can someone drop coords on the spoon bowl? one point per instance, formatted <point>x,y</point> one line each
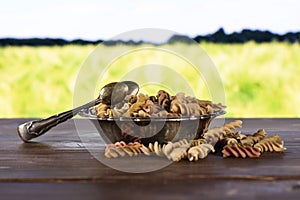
<point>111,93</point>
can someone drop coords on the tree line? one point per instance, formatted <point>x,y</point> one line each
<point>248,35</point>
<point>218,37</point>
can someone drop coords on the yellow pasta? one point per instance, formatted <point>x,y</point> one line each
<point>178,154</point>
<point>198,142</point>
<point>122,149</point>
<point>231,126</point>
<point>270,144</point>
<point>235,144</point>
<point>230,141</point>
<point>256,137</point>
<point>215,134</point>
<point>102,110</point>
<point>200,151</point>
<point>176,151</point>
<point>156,148</point>
<point>185,105</point>
<point>163,104</point>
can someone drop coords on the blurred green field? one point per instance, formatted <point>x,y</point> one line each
<point>260,80</point>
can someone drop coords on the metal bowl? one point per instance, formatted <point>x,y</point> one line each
<point>149,130</point>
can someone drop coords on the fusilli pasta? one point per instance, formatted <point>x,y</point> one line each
<point>252,139</point>
<point>240,151</point>
<point>270,144</point>
<point>122,149</point>
<point>200,151</point>
<point>235,144</point>
<point>215,134</point>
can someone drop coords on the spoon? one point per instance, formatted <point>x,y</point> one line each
<point>110,94</point>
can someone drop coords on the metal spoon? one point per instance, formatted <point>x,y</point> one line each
<point>110,94</point>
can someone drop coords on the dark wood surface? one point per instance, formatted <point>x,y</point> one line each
<point>57,165</point>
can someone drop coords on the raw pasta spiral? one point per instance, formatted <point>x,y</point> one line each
<point>215,134</point>
<point>271,144</point>
<point>173,151</point>
<point>231,126</point>
<point>200,151</point>
<point>156,148</point>
<point>252,139</point>
<point>235,144</point>
<point>198,142</point>
<point>176,151</point>
<point>240,151</point>
<point>102,110</point>
<point>122,149</point>
<point>186,105</point>
<point>246,145</point>
<point>163,104</point>
<point>163,99</point>
<point>230,141</point>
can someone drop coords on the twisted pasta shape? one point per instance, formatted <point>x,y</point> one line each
<point>256,137</point>
<point>117,112</point>
<point>271,144</point>
<point>200,151</point>
<point>173,151</point>
<point>215,134</point>
<point>240,151</point>
<point>102,110</point>
<point>230,141</point>
<point>115,151</point>
<point>231,126</point>
<point>198,142</point>
<point>163,104</point>
<point>176,151</point>
<point>163,99</point>
<point>235,144</point>
<point>156,148</point>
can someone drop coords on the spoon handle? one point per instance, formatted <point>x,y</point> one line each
<point>33,129</point>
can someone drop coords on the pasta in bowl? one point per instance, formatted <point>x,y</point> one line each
<point>146,119</point>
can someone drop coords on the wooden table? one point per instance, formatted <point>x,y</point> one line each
<point>58,165</point>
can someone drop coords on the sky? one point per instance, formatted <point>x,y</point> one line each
<point>105,19</point>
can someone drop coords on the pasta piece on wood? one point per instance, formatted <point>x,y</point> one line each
<point>122,149</point>
<point>231,126</point>
<point>215,134</point>
<point>178,153</point>
<point>256,137</point>
<point>230,141</point>
<point>240,151</point>
<point>198,142</point>
<point>271,144</point>
<point>200,151</point>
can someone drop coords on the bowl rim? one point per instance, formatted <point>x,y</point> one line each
<point>86,113</point>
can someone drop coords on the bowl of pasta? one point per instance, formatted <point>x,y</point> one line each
<point>147,119</point>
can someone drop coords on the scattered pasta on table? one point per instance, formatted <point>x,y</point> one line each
<point>232,143</point>
<point>227,139</point>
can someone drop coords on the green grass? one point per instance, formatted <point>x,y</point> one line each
<point>36,82</point>
<point>260,80</point>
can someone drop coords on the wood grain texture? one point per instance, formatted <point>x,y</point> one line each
<point>58,162</point>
